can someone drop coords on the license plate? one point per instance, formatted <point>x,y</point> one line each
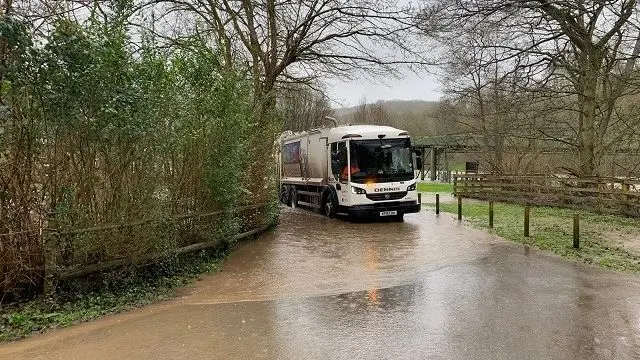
<point>388,213</point>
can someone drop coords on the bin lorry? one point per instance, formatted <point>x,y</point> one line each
<point>353,170</point>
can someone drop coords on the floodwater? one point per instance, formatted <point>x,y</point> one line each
<point>427,288</point>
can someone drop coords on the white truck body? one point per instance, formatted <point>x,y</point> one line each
<point>313,169</point>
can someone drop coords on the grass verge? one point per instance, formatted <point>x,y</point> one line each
<point>105,294</point>
<point>435,187</point>
<point>610,241</point>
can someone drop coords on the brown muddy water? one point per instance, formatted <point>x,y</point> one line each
<point>426,288</point>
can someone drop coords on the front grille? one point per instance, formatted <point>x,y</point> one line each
<point>387,196</point>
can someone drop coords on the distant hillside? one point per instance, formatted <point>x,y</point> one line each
<point>415,116</point>
<point>393,106</point>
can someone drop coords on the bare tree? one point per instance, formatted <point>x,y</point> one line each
<point>360,114</point>
<point>303,108</point>
<point>488,103</point>
<point>581,52</point>
<point>296,41</point>
<point>300,40</point>
<point>379,115</point>
<point>372,114</point>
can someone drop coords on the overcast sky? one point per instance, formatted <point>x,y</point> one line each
<point>411,87</point>
<point>346,93</point>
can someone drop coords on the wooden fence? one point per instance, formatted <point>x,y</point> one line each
<point>606,195</point>
<point>65,274</point>
<point>48,265</point>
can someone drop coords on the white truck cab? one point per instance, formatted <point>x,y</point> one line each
<point>357,171</point>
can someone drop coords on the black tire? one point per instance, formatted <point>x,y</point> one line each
<point>284,194</point>
<point>330,204</point>
<point>293,198</point>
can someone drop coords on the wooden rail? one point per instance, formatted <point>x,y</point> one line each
<point>146,221</point>
<point>52,272</point>
<point>65,274</point>
<point>145,259</point>
<point>607,195</point>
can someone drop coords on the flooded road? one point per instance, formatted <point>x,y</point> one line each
<point>327,289</point>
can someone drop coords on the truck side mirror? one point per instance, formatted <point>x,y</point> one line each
<point>419,163</point>
<point>417,152</point>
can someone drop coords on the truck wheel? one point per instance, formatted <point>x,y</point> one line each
<point>293,198</point>
<point>330,205</point>
<point>284,192</point>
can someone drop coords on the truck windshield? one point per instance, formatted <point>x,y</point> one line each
<point>383,160</point>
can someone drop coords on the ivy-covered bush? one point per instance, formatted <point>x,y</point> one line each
<point>99,128</point>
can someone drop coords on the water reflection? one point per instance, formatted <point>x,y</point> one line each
<point>491,308</point>
<point>372,295</point>
<point>327,289</point>
<point>423,288</point>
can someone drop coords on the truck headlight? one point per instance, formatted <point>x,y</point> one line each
<point>357,190</point>
<point>412,187</point>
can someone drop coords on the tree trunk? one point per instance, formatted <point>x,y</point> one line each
<point>262,146</point>
<point>587,132</point>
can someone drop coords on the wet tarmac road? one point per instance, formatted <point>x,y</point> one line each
<point>327,289</point>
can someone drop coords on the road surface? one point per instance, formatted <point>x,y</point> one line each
<point>428,288</point>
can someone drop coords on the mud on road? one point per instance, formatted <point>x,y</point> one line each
<point>428,287</point>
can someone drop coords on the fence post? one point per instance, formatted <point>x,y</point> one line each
<point>420,198</point>
<point>422,164</point>
<point>563,191</point>
<point>51,241</point>
<point>576,231</point>
<point>624,208</point>
<point>455,184</point>
<point>459,208</point>
<point>491,214</point>
<point>437,204</point>
<point>601,188</point>
<point>526,221</point>
<point>433,166</point>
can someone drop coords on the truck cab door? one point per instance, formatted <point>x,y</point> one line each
<point>338,161</point>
